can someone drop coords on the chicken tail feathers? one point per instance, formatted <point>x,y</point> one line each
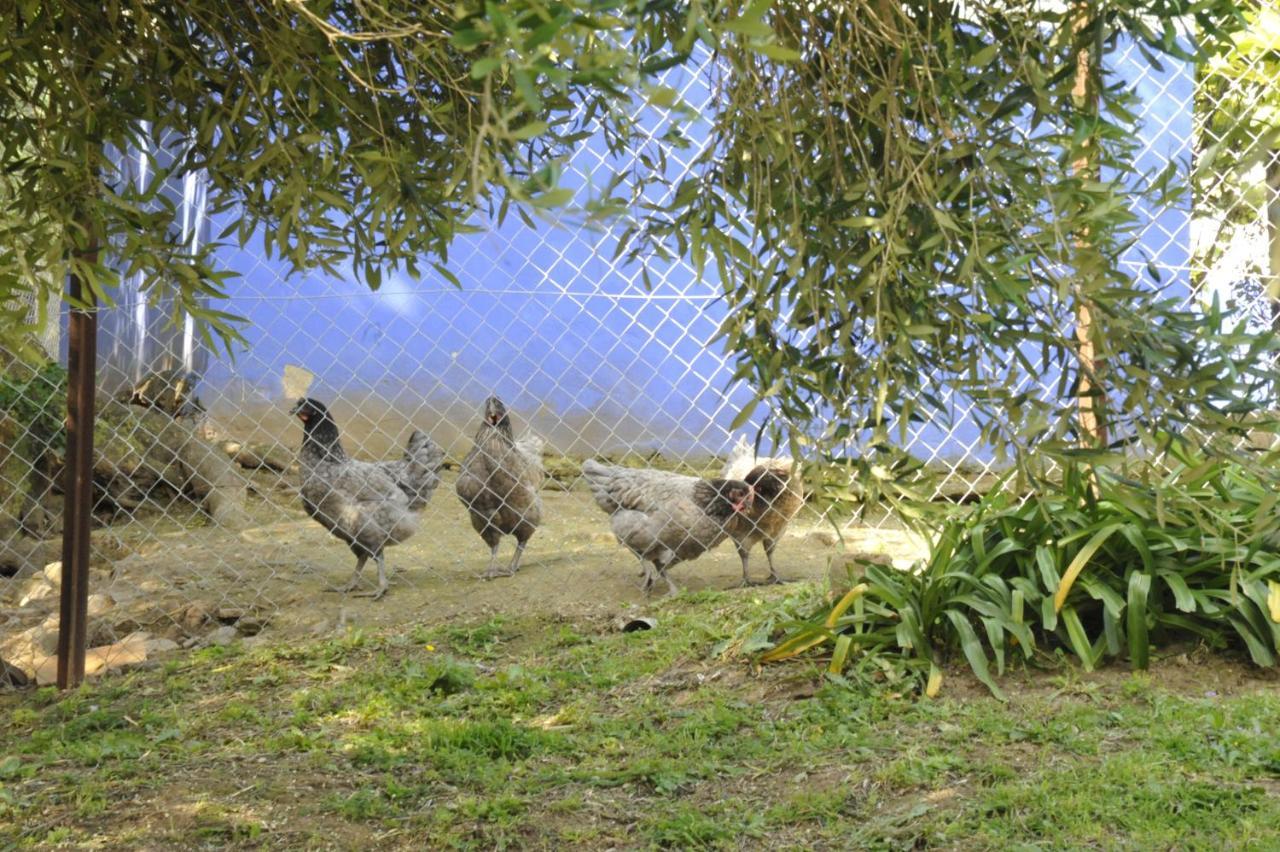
<point>531,446</point>
<point>420,474</point>
<point>600,479</point>
<point>423,453</point>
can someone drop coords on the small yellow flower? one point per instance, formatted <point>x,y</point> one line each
<point>431,647</point>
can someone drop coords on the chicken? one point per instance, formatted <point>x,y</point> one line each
<point>418,473</point>
<point>499,485</point>
<point>779,495</point>
<point>368,505</point>
<point>665,518</point>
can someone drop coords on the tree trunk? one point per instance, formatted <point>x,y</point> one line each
<point>1273,236</point>
<point>1090,398</point>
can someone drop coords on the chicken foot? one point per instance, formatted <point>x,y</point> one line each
<point>493,571</point>
<point>774,577</point>
<point>355,579</point>
<point>660,570</point>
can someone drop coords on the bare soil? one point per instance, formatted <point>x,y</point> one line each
<point>175,574</point>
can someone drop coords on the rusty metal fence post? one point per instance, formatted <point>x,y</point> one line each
<point>82,356</point>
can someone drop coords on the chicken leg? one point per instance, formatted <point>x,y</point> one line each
<point>355,577</point>
<point>661,569</point>
<point>382,580</point>
<point>744,554</point>
<point>515,560</point>
<point>646,575</point>
<point>774,577</point>
<point>493,572</point>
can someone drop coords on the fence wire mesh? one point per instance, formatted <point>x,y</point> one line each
<point>202,530</point>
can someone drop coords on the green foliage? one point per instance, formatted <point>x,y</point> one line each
<point>356,131</point>
<point>32,400</point>
<point>907,205</point>
<point>1239,129</point>
<point>1175,548</point>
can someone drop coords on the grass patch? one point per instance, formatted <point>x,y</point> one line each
<point>527,733</point>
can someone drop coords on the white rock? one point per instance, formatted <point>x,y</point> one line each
<point>38,589</point>
<point>26,647</point>
<point>101,631</point>
<point>53,572</point>
<point>99,604</point>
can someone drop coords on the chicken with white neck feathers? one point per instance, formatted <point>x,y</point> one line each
<point>665,518</point>
<point>499,484</point>
<point>368,505</point>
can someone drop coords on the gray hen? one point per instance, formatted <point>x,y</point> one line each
<point>499,485</point>
<point>368,505</point>
<point>665,518</point>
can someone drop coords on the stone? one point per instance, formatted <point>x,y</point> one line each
<point>25,647</point>
<point>224,635</point>
<point>53,573</point>
<point>100,632</point>
<point>193,618</point>
<point>160,645</point>
<point>117,655</point>
<point>37,589</point>
<point>99,604</point>
<point>44,639</point>
<point>251,625</point>
<point>825,538</point>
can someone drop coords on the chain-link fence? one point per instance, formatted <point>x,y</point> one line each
<point>201,532</point>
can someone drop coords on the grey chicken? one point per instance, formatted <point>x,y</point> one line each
<point>779,495</point>
<point>499,484</point>
<point>368,505</point>
<point>665,518</point>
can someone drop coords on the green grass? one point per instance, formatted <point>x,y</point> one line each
<point>516,733</point>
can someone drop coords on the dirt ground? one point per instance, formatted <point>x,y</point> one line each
<point>573,565</point>
<point>176,576</point>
